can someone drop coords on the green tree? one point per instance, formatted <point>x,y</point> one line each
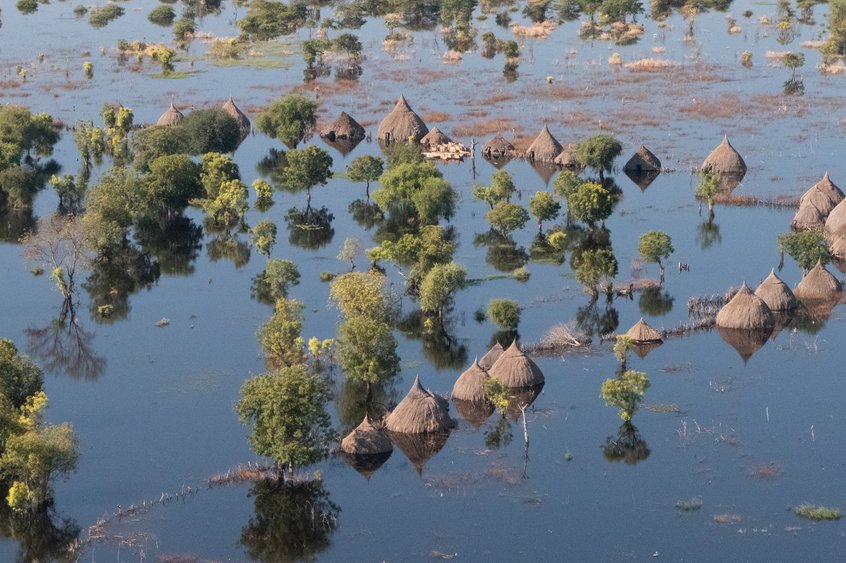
<point>836,44</point>
<point>505,313</point>
<point>307,168</point>
<point>709,187</point>
<point>625,392</point>
<point>280,337</point>
<point>173,181</point>
<point>590,203</point>
<point>598,152</point>
<point>367,349</point>
<point>149,143</point>
<point>111,208</point>
<point>793,61</point>
<point>438,286</point>
<point>264,194</point>
<point>349,251</point>
<point>507,217</point>
<point>25,133</point>
<point>653,246</point>
<point>277,278</point>
<point>365,294</point>
<point>501,189</point>
<point>215,170</point>
<point>230,204</point>
<point>417,188</point>
<point>266,19</point>
<point>367,169</point>
<point>263,236</point>
<point>162,15</point>
<point>20,378</point>
<point>593,266</point>
<point>622,344</point>
<point>288,119</point>
<point>210,130</point>
<point>544,208</point>
<point>287,411</point>
<point>805,247</point>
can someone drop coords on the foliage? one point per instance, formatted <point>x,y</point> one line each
<point>264,194</point>
<point>289,119</point>
<point>210,130</point>
<point>162,15</point>
<point>653,246</point>
<point>621,348</point>
<point>689,505</point>
<point>590,203</point>
<point>438,285</point>
<point>19,377</point>
<point>230,204</point>
<point>172,182</point>
<point>101,16</point>
<point>306,168</point>
<point>366,168</point>
<point>504,313</point>
<point>215,170</point>
<point>593,266</point>
<point>507,217</point>
<point>146,145</point>
<point>598,152</point>
<point>817,512</point>
<point>496,394</point>
<point>267,19</point>
<point>367,349</point>
<point>836,44</point>
<point>263,236</point>
<point>544,208</point>
<point>287,410</point>
<point>280,337</point>
<point>625,392</point>
<point>277,277</point>
<point>500,190</point>
<point>183,29</point>
<point>403,153</point>
<point>806,247</point>
<point>349,251</point>
<point>118,120</point>
<point>24,132</point>
<point>709,186</point>
<point>365,294</point>
<point>416,187</point>
<point>111,207</point>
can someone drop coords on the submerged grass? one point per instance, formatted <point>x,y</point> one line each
<point>817,512</point>
<point>689,505</point>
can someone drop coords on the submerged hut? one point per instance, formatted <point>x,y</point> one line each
<point>776,294</point>
<point>819,285</point>
<point>489,359</point>
<point>724,160</point>
<point>171,117</point>
<point>809,216</point>
<point>238,115</point>
<point>420,411</point>
<point>470,385</point>
<point>544,148</point>
<point>642,333</point>
<point>824,195</point>
<point>366,448</point>
<point>567,158</point>
<point>402,124</point>
<point>835,223</point>
<point>497,148</point>
<point>344,128</point>
<point>643,161</point>
<point>434,138</point>
<point>746,311</point>
<point>514,369</point>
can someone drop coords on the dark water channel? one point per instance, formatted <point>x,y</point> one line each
<point>153,406</point>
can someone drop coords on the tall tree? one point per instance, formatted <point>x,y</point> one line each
<point>289,119</point>
<point>654,246</point>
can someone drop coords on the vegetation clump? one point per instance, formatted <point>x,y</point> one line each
<point>689,505</point>
<point>102,16</point>
<point>504,313</point>
<point>817,512</point>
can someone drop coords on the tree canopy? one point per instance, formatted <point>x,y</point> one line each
<point>590,203</point>
<point>598,152</point>
<point>288,119</point>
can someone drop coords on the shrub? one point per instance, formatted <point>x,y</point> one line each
<point>504,313</point>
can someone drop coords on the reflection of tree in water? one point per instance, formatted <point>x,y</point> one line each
<point>272,167</point>
<point>41,534</point>
<point>655,302</point>
<point>504,338</point>
<point>503,253</point>
<point>292,522</point>
<point>14,223</point>
<point>509,71</point>
<point>708,233</point>
<point>542,252</point>
<point>63,346</point>
<point>593,321</point>
<point>115,277</point>
<point>499,435</point>
<point>365,213</point>
<point>310,228</point>
<point>443,350</point>
<point>174,242</point>
<point>227,246</point>
<point>627,446</point>
<point>354,399</point>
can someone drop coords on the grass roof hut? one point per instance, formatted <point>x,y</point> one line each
<point>745,341</point>
<point>824,195</point>
<point>643,161</point>
<point>497,148</point>
<point>470,385</point>
<point>567,158</point>
<point>171,117</point>
<point>776,294</point>
<point>724,160</point>
<point>838,248</point>
<point>344,128</point>
<point>514,369</point>
<point>746,311</point>
<point>489,359</point>
<point>835,222</point>
<point>642,333</point>
<point>233,110</point>
<point>402,124</point>
<point>809,216</point>
<point>420,448</point>
<point>420,411</point>
<point>544,148</point>
<point>819,285</point>
<point>366,448</point>
<point>434,138</point>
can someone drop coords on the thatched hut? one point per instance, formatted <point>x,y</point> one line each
<point>745,341</point>
<point>544,148</point>
<point>642,333</point>
<point>402,124</point>
<point>824,195</point>
<point>514,369</point>
<point>366,439</point>
<point>420,448</point>
<point>497,148</point>
<point>343,128</point>
<point>434,138</point>
<point>835,223</point>
<point>567,158</point>
<point>724,160</point>
<point>470,385</point>
<point>838,247</point>
<point>643,161</point>
<point>171,117</point>
<point>809,216</point>
<point>489,359</point>
<point>238,115</point>
<point>745,311</point>
<point>818,285</point>
<point>776,294</point>
<point>420,411</point>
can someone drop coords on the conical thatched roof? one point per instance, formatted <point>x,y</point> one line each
<point>818,285</point>
<point>567,157</point>
<point>745,341</point>
<point>434,138</point>
<point>345,127</point>
<point>497,147</point>
<point>642,179</point>
<point>171,117</point>
<point>238,115</point>
<point>824,195</point>
<point>643,161</point>
<point>366,439</point>
<point>420,411</point>
<point>776,294</point>
<point>489,359</point>
<point>838,246</point>
<point>514,369</point>
<point>642,332</point>
<point>470,385</point>
<point>808,217</point>
<point>401,124</point>
<point>474,413</point>
<point>745,311</point>
<point>835,223</point>
<point>420,448</point>
<point>724,160</point>
<point>544,148</point>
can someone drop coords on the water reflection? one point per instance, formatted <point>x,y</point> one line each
<point>292,522</point>
<point>542,252</point>
<point>114,278</point>
<point>593,320</point>
<point>503,253</point>
<point>354,400</point>
<point>64,346</point>
<point>642,178</point>
<point>499,435</point>
<point>15,222</point>
<point>227,246</point>
<point>627,446</point>
<point>310,228</point>
<point>175,242</point>
<point>41,535</point>
<point>420,448</point>
<point>367,214</point>
<point>745,341</point>
<point>655,302</point>
<point>442,349</point>
<point>708,233</point>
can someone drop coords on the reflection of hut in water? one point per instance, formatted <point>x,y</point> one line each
<point>644,348</point>
<point>344,128</point>
<point>420,448</point>
<point>470,385</point>
<point>642,179</point>
<point>343,146</point>
<point>545,170</point>
<point>824,195</point>
<point>567,158</point>
<point>171,117</point>
<point>474,412</point>
<point>544,148</point>
<point>237,115</point>
<point>366,448</point>
<point>643,161</point>
<point>776,294</point>
<point>745,341</point>
<point>514,369</point>
<point>724,160</point>
<point>835,223</point>
<point>523,397</point>
<point>642,333</point>
<point>808,216</point>
<point>402,124</point>
<point>818,285</point>
<point>745,311</point>
<point>420,411</point>
<point>489,359</point>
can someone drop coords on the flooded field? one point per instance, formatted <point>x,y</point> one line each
<point>728,440</point>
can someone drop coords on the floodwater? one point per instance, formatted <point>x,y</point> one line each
<point>153,405</point>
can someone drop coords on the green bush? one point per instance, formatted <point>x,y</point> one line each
<point>504,313</point>
<point>163,15</point>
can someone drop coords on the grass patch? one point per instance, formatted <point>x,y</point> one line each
<point>689,505</point>
<point>176,74</point>
<point>770,470</point>
<point>270,55</point>
<point>817,512</point>
<point>664,408</point>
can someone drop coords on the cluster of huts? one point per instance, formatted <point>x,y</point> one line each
<point>174,117</point>
<point>420,423</point>
<point>822,207</point>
